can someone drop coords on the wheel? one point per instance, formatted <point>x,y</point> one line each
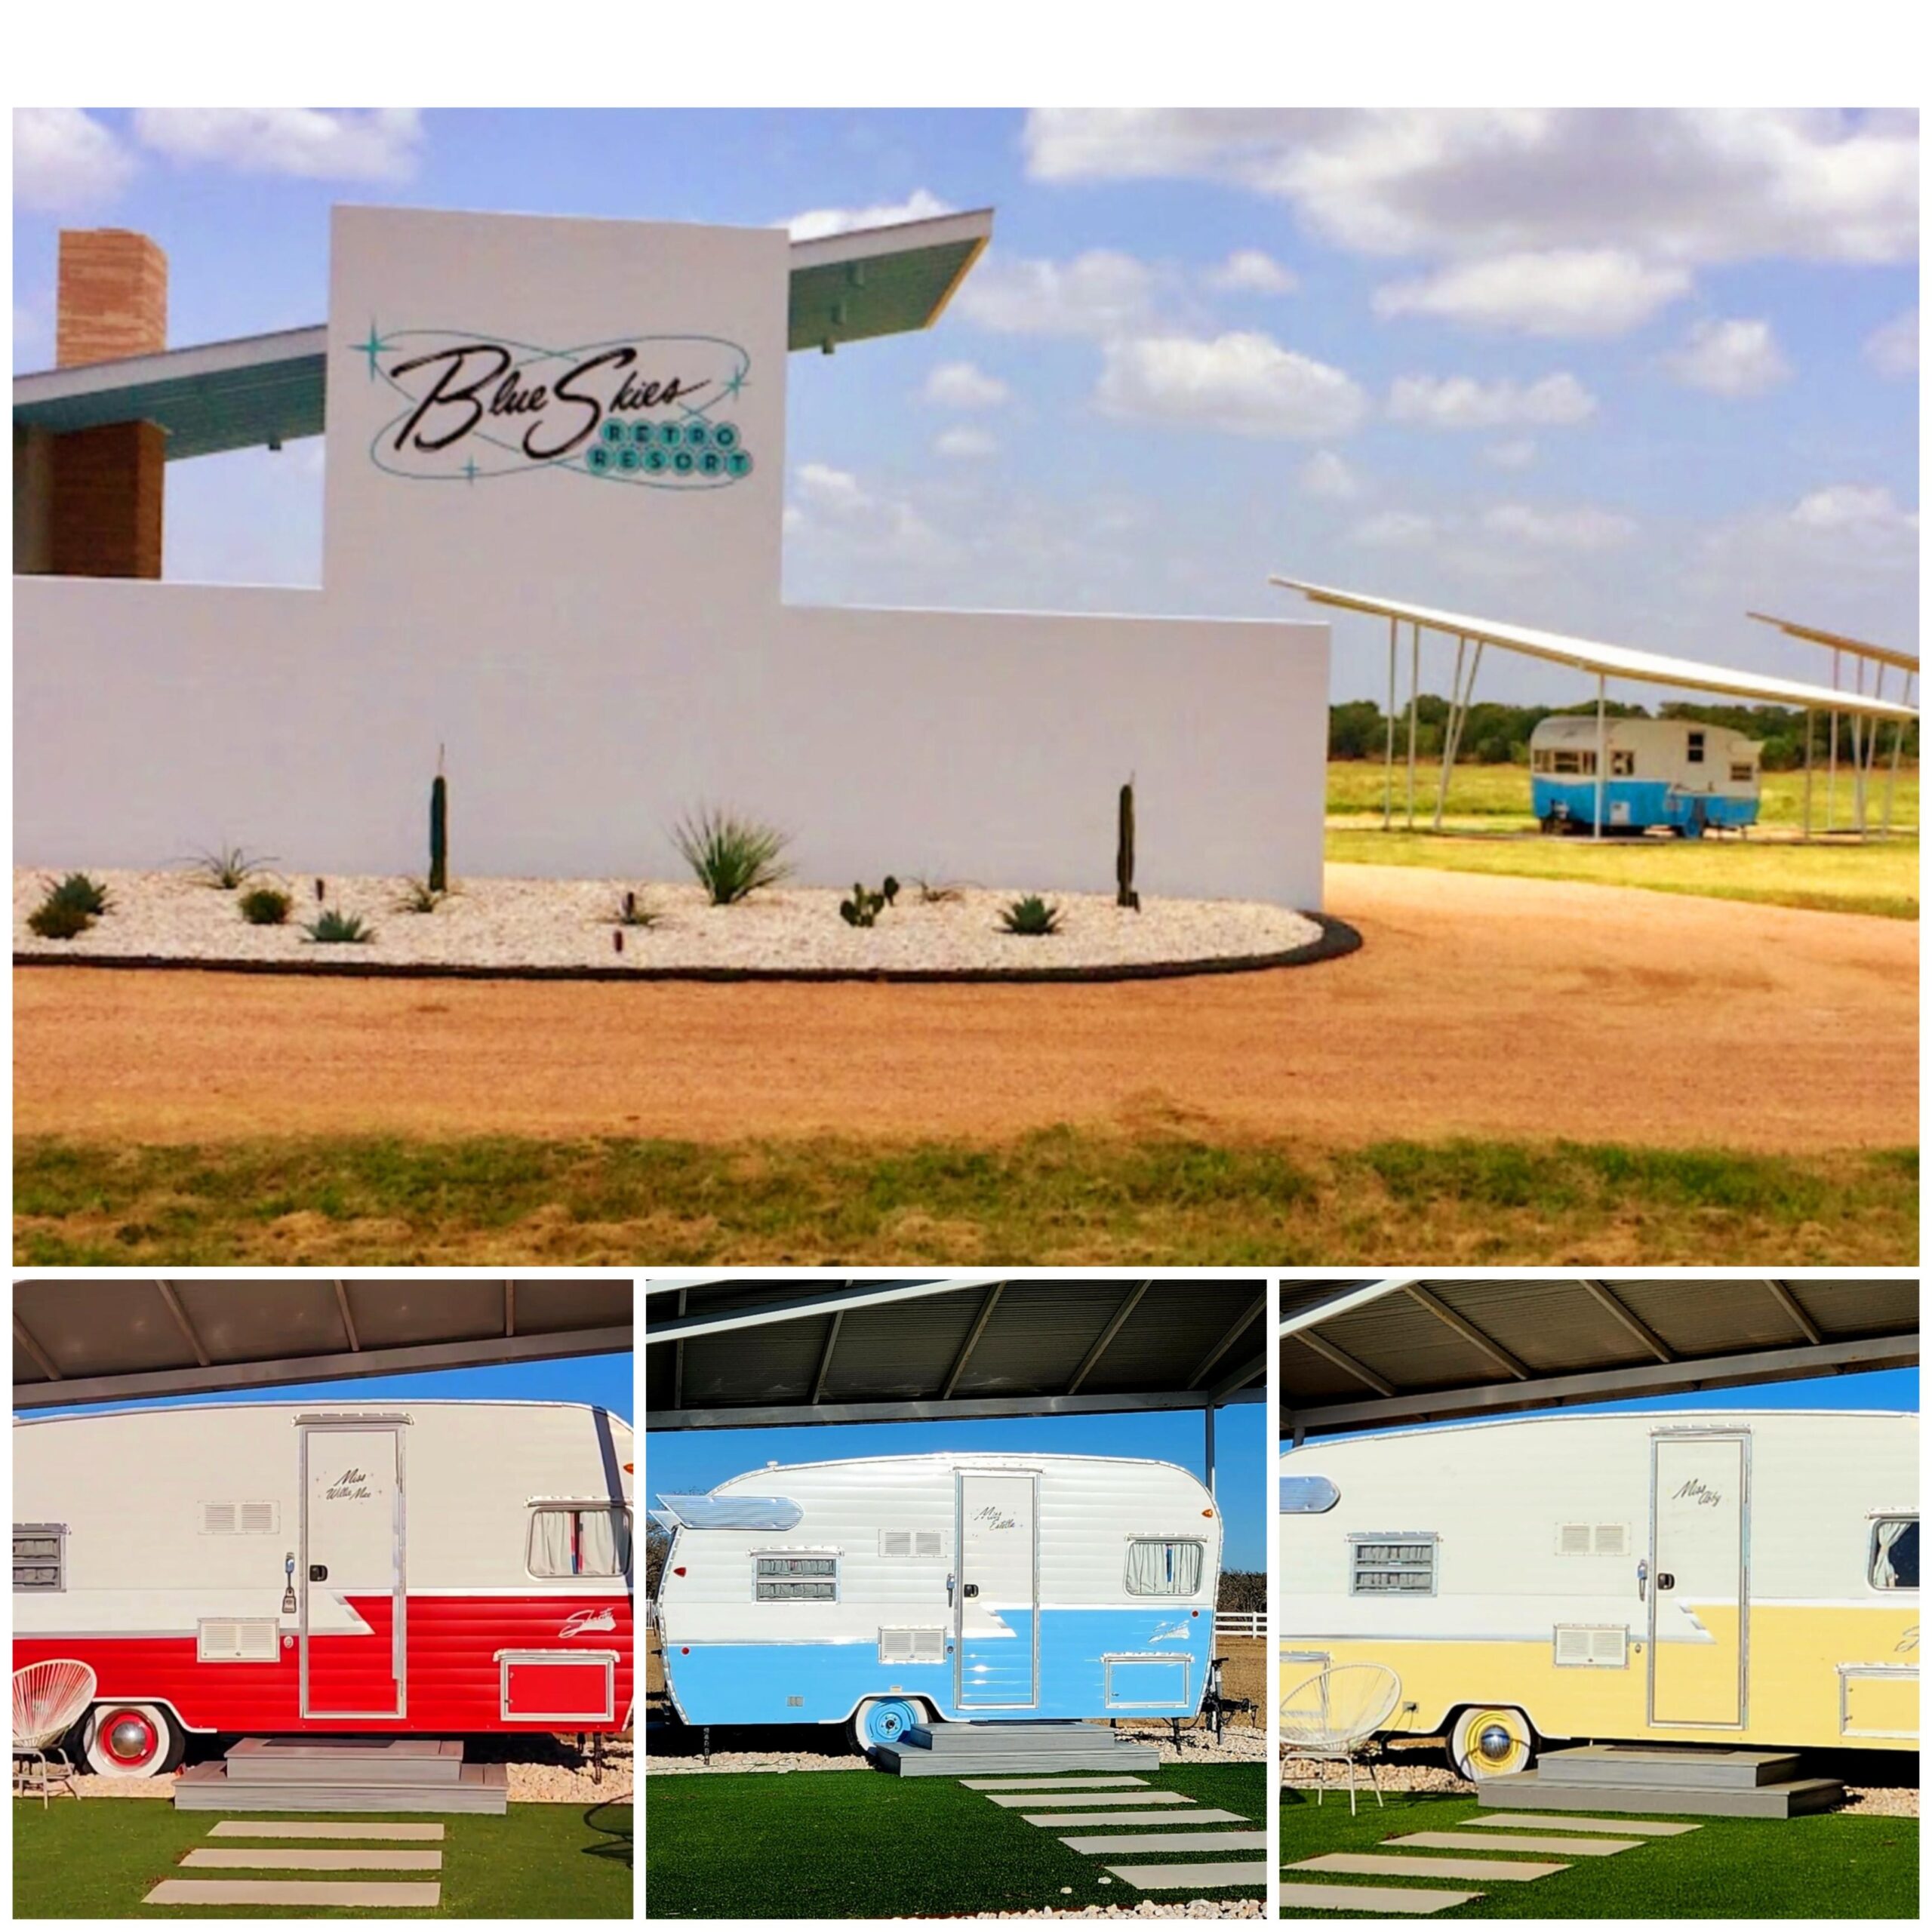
<point>883,1721</point>
<point>131,1741</point>
<point>1490,1741</point>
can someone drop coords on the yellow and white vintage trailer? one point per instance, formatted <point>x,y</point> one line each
<point>1741,1577</point>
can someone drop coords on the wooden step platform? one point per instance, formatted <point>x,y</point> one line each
<point>978,1750</point>
<point>1670,1797</point>
<point>344,1774</point>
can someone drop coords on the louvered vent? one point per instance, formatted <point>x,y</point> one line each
<point>928,1542</point>
<point>1613,1539</point>
<point>1599,1647</point>
<point>912,1647</point>
<point>248,1639</point>
<point>1573,1539</point>
<point>895,1542</point>
<point>1593,1539</point>
<point>217,1519</point>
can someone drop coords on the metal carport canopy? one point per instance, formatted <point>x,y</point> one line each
<point>1412,1348</point>
<point>733,1354</point>
<point>121,1339</point>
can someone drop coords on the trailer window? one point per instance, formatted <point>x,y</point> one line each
<point>1573,764</point>
<point>1392,1566</point>
<point>1694,748</point>
<point>1623,765</point>
<point>1894,1564</point>
<point>40,1556</point>
<point>579,1543</point>
<point>1163,1569</point>
<point>1743,773</point>
<point>798,1580</point>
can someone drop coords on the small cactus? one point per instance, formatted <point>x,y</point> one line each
<point>1126,895</point>
<point>439,833</point>
<point>864,906</point>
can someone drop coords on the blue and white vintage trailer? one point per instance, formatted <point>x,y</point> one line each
<point>1664,773</point>
<point>887,1592</point>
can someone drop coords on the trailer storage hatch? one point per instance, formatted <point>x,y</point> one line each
<point>560,1687</point>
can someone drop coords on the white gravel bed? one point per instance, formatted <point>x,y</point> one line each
<point>1149,1909</point>
<point>1240,1744</point>
<point>511,923</point>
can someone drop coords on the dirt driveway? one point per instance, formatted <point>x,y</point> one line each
<point>1485,1006</point>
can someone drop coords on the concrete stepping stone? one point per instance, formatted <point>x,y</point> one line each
<point>1369,1865</point>
<point>310,1858</point>
<point>264,1891</point>
<point>1300,1895</point>
<point>1576,1847</point>
<point>1172,1877</point>
<point>1045,1784</point>
<point>1063,1820</point>
<point>1015,1798</point>
<point>1253,1841</point>
<point>1561,1821</point>
<point>307,1828</point>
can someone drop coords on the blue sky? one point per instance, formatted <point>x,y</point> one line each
<point>1627,373</point>
<point>1889,1388</point>
<point>688,1461</point>
<point>605,1381</point>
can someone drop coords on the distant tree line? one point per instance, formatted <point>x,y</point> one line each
<point>1242,1589</point>
<point>1499,733</point>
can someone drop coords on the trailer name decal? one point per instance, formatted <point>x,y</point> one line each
<point>995,1518</point>
<point>635,410</point>
<point>1696,1492</point>
<point>352,1486</point>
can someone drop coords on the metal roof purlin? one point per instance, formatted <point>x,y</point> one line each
<point>1904,660</point>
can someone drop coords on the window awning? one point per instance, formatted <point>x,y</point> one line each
<point>728,1512</point>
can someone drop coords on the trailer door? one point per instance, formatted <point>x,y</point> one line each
<point>1699,1579</point>
<point>350,1572</point>
<point>997,1604</point>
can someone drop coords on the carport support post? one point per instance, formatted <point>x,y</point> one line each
<point>1858,756</point>
<point>1388,757</point>
<point>1207,1416</point>
<point>1449,731</point>
<point>1831,766</point>
<point>1415,691</point>
<point>1603,758</point>
<point>1810,718</point>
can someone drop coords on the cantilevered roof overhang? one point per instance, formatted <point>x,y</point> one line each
<point>747,1355</point>
<point>124,1340</point>
<point>1606,660</point>
<point>266,390</point>
<point>1882,654</point>
<point>1408,1349</point>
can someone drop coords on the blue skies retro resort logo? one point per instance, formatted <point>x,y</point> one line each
<point>653,411</point>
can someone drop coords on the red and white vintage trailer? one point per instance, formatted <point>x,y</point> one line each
<point>400,1568</point>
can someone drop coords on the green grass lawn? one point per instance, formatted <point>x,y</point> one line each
<point>824,1844</point>
<point>1062,1195</point>
<point>1831,1866</point>
<point>99,1858</point>
<point>1487,828</point>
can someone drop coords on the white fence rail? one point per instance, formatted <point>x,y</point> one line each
<point>1241,1623</point>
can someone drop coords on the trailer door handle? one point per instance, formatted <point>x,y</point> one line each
<point>970,1590</point>
<point>1643,1577</point>
<point>1665,1581</point>
<point>318,1572</point>
<point>949,1582</point>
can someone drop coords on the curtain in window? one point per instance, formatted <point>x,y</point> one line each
<point>1163,1569</point>
<point>551,1543</point>
<point>1895,1560</point>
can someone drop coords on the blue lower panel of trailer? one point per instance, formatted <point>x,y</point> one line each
<point>1092,1663</point>
<point>1636,804</point>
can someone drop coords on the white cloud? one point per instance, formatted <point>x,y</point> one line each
<point>1250,271</point>
<point>1552,292</point>
<point>823,487</point>
<point>1515,452</point>
<point>66,162</point>
<point>1396,530</point>
<point>1583,528</point>
<point>1854,507</point>
<point>1892,350</point>
<point>1849,549</point>
<point>316,144</point>
<point>1324,474</point>
<point>1686,185</point>
<point>965,441</point>
<point>1102,292</point>
<point>920,205</point>
<point>1244,384</point>
<point>964,385</point>
<point>833,503</point>
<point>1461,402</point>
<point>1733,358</point>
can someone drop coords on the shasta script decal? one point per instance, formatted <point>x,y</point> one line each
<point>654,410</point>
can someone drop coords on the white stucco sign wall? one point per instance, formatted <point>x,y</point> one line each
<point>555,466</point>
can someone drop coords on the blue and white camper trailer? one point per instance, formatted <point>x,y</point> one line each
<point>885,1592</point>
<point>1663,772</point>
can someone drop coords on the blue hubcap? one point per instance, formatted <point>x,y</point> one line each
<point>888,1723</point>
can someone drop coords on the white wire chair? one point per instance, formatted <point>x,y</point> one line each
<point>49,1698</point>
<point>1333,1717</point>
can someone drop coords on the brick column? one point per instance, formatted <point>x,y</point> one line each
<point>105,514</point>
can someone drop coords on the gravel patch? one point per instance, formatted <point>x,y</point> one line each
<point>1147,1908</point>
<point>1240,1744</point>
<point>509,924</point>
<point>1882,1801</point>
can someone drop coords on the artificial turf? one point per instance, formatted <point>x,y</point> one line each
<point>860,1844</point>
<point>1834,1866</point>
<point>99,1858</point>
